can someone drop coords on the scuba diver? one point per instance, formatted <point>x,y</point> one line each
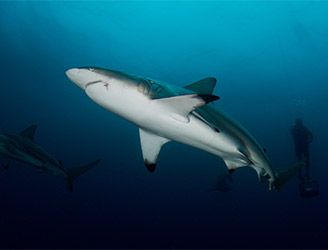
<point>302,138</point>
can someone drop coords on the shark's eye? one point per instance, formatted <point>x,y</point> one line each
<point>144,87</point>
<point>141,88</point>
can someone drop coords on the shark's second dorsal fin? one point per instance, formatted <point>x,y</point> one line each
<point>29,132</point>
<point>205,86</point>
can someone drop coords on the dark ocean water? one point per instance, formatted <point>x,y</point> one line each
<point>270,59</point>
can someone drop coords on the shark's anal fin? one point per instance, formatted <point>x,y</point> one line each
<point>204,86</point>
<point>151,145</point>
<point>180,106</point>
<point>29,132</point>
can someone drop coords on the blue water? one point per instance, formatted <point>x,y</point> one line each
<point>270,59</point>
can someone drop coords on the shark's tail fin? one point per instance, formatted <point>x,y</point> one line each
<point>72,173</point>
<point>284,176</point>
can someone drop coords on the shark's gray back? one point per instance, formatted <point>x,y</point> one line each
<point>34,150</point>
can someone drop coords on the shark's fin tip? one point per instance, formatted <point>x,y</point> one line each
<point>151,167</point>
<point>209,98</point>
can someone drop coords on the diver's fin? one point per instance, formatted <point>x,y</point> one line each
<point>284,176</point>
<point>205,86</point>
<point>6,164</point>
<point>29,132</point>
<point>180,106</point>
<point>151,145</point>
<point>72,173</point>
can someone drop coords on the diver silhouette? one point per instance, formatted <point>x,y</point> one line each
<point>302,138</point>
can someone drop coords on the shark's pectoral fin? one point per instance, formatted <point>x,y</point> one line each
<point>151,145</point>
<point>29,132</point>
<point>180,106</point>
<point>205,86</point>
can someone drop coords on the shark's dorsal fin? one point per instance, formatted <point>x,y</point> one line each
<point>205,86</point>
<point>180,106</point>
<point>151,145</point>
<point>29,132</point>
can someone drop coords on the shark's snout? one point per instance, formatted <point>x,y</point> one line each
<point>74,75</point>
<point>72,72</point>
<point>80,76</point>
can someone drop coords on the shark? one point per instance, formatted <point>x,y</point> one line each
<point>21,147</point>
<point>164,112</point>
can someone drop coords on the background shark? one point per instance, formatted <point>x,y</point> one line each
<point>164,112</point>
<point>21,147</point>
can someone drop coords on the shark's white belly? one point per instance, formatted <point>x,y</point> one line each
<point>194,133</point>
<point>153,118</point>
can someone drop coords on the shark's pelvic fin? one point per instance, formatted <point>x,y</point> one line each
<point>232,165</point>
<point>29,132</point>
<point>205,86</point>
<point>180,106</point>
<point>151,145</point>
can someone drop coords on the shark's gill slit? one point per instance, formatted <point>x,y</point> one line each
<point>92,83</point>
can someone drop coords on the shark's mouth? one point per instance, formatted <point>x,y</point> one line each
<point>92,83</point>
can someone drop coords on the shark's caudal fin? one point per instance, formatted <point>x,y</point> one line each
<point>284,176</point>
<point>72,173</point>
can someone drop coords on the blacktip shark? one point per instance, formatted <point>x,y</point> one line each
<point>21,147</point>
<point>165,112</point>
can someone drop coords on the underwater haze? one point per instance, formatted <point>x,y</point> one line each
<point>270,59</point>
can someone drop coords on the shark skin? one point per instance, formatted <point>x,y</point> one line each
<point>165,112</point>
<point>21,147</point>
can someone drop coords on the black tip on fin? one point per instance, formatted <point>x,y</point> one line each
<point>150,166</point>
<point>209,98</point>
<point>231,171</point>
